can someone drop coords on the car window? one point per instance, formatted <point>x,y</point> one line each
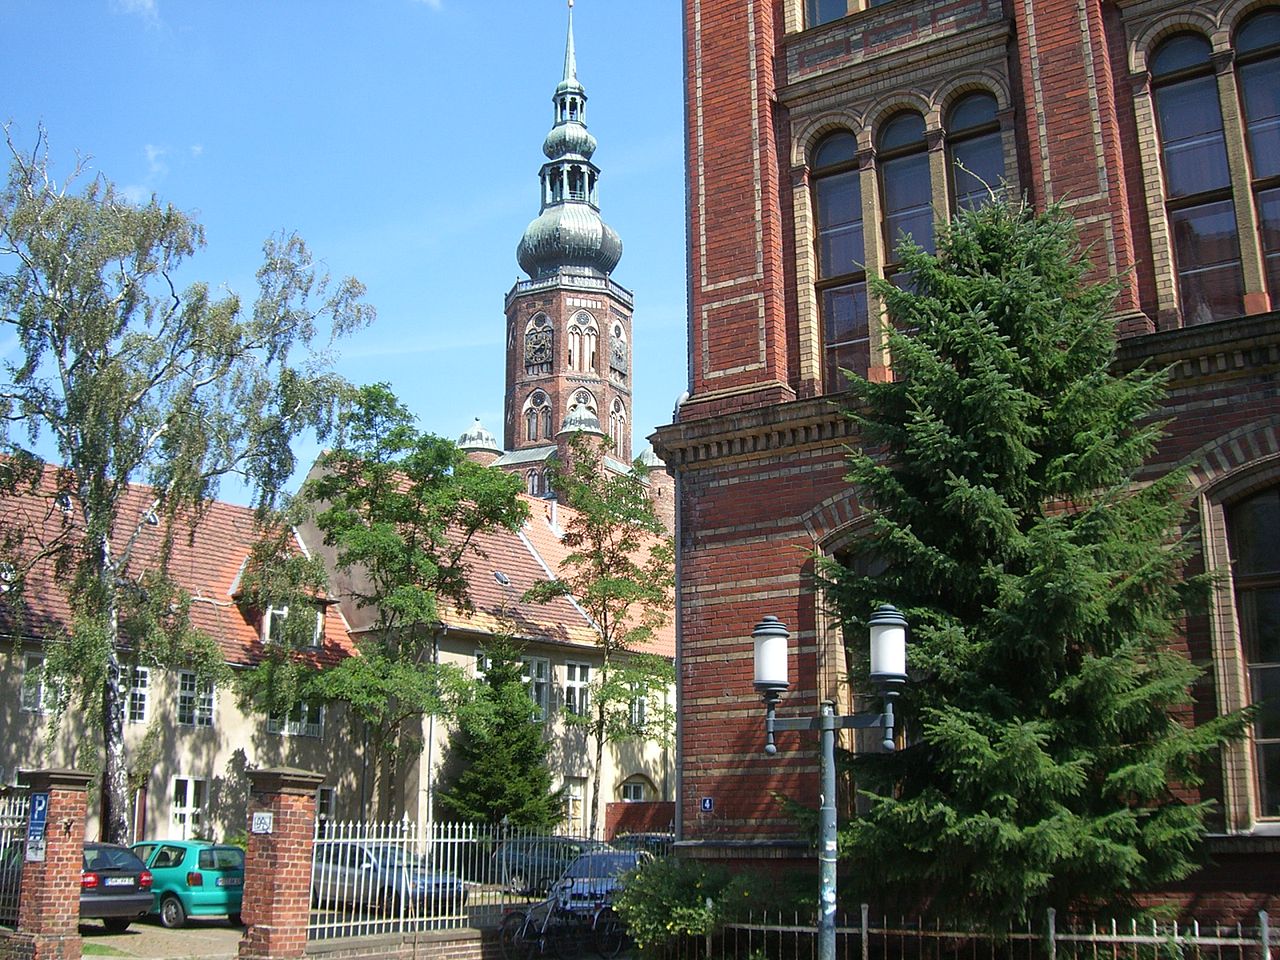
<point>110,858</point>
<point>168,856</point>
<point>222,858</point>
<point>144,850</point>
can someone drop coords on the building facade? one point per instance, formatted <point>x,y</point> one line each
<point>818,132</point>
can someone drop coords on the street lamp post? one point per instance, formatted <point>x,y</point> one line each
<point>888,673</point>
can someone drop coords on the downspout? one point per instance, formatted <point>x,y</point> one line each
<point>425,829</point>
<point>679,625</point>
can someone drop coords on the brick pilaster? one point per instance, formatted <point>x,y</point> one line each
<point>49,907</point>
<point>277,875</point>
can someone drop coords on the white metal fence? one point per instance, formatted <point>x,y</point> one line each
<point>777,937</point>
<point>13,836</point>
<point>389,877</point>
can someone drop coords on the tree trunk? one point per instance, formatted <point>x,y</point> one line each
<point>114,826</point>
<point>595,772</point>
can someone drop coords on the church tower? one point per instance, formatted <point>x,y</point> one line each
<point>569,325</point>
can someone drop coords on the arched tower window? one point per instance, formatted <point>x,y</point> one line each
<point>582,335</point>
<point>975,150</point>
<point>537,413</point>
<point>1200,209</point>
<point>842,278</point>
<point>618,429</point>
<point>903,158</point>
<point>533,483</point>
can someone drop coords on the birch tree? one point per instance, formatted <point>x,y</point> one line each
<point>121,377</point>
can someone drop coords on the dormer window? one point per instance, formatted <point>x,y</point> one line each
<point>273,625</point>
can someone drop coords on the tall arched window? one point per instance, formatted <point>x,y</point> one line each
<point>573,336</point>
<point>903,158</point>
<point>975,150</point>
<point>582,336</point>
<point>1254,535</point>
<point>1201,212</point>
<point>537,412</point>
<point>1258,55</point>
<point>533,483</point>
<point>842,277</point>
<point>618,428</point>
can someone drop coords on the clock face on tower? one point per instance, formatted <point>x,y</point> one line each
<point>538,345</point>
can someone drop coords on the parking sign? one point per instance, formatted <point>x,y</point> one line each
<point>37,820</point>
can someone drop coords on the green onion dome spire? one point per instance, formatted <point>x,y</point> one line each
<point>568,231</point>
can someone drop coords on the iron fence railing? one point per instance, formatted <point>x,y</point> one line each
<point>390,877</point>
<point>794,937</point>
<point>13,836</point>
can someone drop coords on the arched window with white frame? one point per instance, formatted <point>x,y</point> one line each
<point>618,429</point>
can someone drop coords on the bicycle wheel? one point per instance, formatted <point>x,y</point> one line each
<point>611,935</point>
<point>571,936</point>
<point>512,937</point>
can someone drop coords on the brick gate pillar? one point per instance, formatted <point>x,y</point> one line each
<point>49,905</point>
<point>277,872</point>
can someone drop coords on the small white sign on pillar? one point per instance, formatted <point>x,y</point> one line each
<point>263,822</point>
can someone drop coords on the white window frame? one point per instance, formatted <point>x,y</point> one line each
<point>139,694</point>
<point>632,791</point>
<point>306,719</point>
<point>537,676</point>
<point>188,810</point>
<point>575,803</point>
<point>196,700</point>
<point>37,696</point>
<point>577,687</point>
<point>638,708</point>
<point>282,613</point>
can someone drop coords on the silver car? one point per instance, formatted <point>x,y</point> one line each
<point>382,877</point>
<point>594,879</point>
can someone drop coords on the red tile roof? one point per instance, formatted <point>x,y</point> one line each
<point>206,561</point>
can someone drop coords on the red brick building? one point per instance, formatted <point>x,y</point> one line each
<point>817,132</point>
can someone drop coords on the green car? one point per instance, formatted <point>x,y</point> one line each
<point>193,878</point>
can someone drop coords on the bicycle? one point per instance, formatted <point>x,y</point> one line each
<point>551,928</point>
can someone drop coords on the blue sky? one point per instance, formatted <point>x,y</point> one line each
<point>400,138</point>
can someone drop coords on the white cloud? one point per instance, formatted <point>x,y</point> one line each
<point>197,149</point>
<point>149,10</point>
<point>433,4</point>
<point>156,167</point>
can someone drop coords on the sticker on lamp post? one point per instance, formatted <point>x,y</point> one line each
<point>708,804</point>
<point>37,821</point>
<point>263,821</point>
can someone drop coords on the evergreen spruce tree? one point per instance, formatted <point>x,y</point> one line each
<point>1044,586</point>
<point>501,755</point>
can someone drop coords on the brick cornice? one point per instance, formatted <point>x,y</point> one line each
<point>1211,351</point>
<point>285,780</point>
<point>762,431</point>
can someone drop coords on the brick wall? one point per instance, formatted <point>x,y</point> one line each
<point>49,909</point>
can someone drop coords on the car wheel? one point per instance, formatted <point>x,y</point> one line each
<point>172,914</point>
<point>235,919</point>
<point>116,924</point>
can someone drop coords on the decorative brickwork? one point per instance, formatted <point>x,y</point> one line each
<point>760,472</point>
<point>49,909</point>
<point>277,874</point>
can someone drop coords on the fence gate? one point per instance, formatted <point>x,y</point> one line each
<point>13,837</point>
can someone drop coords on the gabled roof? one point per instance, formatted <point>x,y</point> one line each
<point>207,559</point>
<point>535,552</point>
<point>503,564</point>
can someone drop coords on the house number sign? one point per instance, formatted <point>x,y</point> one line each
<point>264,821</point>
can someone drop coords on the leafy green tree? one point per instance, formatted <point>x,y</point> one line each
<point>401,509</point>
<point>500,753</point>
<point>119,377</point>
<point>620,570</point>
<point>1047,730</point>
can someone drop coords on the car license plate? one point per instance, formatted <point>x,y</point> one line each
<point>230,881</point>
<point>119,881</point>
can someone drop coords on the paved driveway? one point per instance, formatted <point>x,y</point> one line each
<point>198,940</point>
